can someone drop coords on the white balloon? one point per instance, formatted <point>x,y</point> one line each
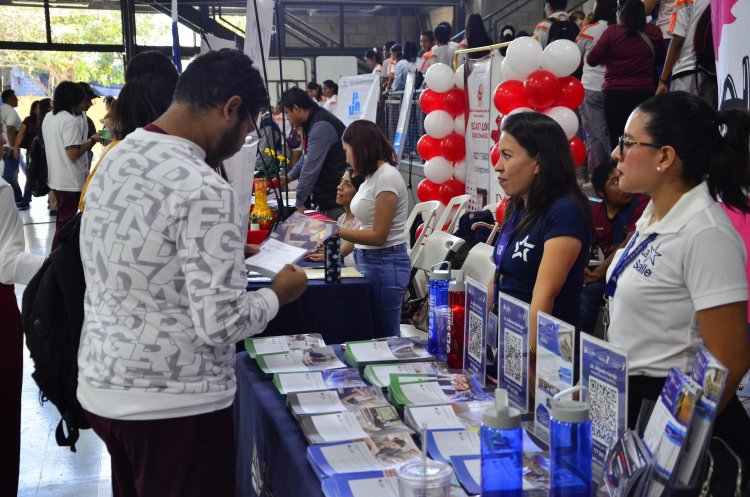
<point>438,170</point>
<point>458,78</point>
<point>459,125</point>
<point>566,118</point>
<point>524,55</point>
<point>561,58</point>
<point>438,123</point>
<point>459,172</point>
<point>508,72</point>
<point>439,77</point>
<point>517,110</point>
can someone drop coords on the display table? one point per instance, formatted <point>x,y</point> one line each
<point>271,450</point>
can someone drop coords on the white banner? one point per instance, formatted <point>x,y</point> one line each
<point>478,74</point>
<point>731,27</point>
<point>403,115</point>
<point>240,170</point>
<point>252,38</point>
<point>496,191</point>
<point>358,98</point>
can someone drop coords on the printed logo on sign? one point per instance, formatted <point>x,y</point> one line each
<point>355,107</point>
<point>647,260</point>
<point>480,92</point>
<point>522,249</point>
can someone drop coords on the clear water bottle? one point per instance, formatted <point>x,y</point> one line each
<point>439,312</point>
<point>501,440</point>
<point>457,303</point>
<point>570,446</point>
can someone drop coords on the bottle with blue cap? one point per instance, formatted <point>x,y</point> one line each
<point>501,438</point>
<point>439,311</point>
<point>570,446</point>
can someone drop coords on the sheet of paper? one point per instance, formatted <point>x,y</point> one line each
<point>457,443</point>
<point>372,351</point>
<point>338,427</point>
<point>375,487</point>
<point>436,417</point>
<point>320,402</point>
<point>424,393</point>
<point>273,256</point>
<point>299,382</point>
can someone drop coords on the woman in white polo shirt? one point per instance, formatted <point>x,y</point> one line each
<point>681,280</point>
<point>381,205</point>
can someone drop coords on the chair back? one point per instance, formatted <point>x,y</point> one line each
<point>449,218</point>
<point>479,264</point>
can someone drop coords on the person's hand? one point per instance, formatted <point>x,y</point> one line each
<point>283,180</point>
<point>96,138</point>
<point>15,154</point>
<point>662,88</point>
<point>251,249</point>
<point>314,257</point>
<point>289,284</point>
<point>591,276</point>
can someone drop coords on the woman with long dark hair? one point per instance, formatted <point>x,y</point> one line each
<point>630,50</point>
<point>374,60</point>
<point>331,94</point>
<point>544,245</point>
<point>681,280</point>
<point>407,63</point>
<point>476,36</point>
<point>381,206</point>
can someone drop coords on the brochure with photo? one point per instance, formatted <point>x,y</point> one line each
<point>277,345</point>
<point>380,374</point>
<point>411,391</point>
<point>317,380</point>
<point>457,415</point>
<point>555,352</point>
<point>294,361</point>
<point>389,349</point>
<point>351,425</point>
<point>626,464</point>
<point>339,400</point>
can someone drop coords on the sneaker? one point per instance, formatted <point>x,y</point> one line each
<point>23,207</point>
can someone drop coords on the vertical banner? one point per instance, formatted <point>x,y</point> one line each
<point>478,74</point>
<point>731,30</point>
<point>358,98</point>
<point>475,325</point>
<point>176,39</point>
<point>240,170</point>
<point>403,115</point>
<point>496,191</point>
<point>254,39</point>
<point>513,350</point>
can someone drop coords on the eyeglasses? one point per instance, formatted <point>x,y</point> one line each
<point>254,137</point>
<point>629,143</point>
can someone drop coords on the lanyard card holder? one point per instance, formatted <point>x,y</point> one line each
<point>332,259</point>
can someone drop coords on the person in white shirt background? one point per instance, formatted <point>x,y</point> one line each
<point>374,61</point>
<point>11,123</point>
<point>331,94</point>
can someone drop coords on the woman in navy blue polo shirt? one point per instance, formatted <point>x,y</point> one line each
<point>544,245</point>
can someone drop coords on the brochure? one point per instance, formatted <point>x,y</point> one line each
<point>667,429</point>
<point>276,345</point>
<point>295,237</point>
<point>513,350</point>
<point>710,374</point>
<point>475,330</point>
<point>342,399</point>
<point>444,443</point>
<point>626,464</point>
<point>417,390</point>
<point>390,349</point>
<point>372,484</point>
<point>369,454</point>
<point>380,374</point>
<point>351,425</point>
<point>317,380</point>
<point>604,373</point>
<point>313,359</point>
<point>449,416</point>
<point>555,351</point>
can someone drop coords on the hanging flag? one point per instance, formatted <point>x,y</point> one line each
<point>175,39</point>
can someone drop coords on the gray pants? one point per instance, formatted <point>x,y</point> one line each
<point>595,125</point>
<point>698,83</point>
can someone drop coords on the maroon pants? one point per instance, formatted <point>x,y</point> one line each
<point>67,206</point>
<point>11,372</point>
<point>191,456</point>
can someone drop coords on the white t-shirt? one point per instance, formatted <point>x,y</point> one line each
<point>683,22</point>
<point>443,54</point>
<point>663,16</point>
<point>16,265</point>
<point>593,76</point>
<point>62,131</point>
<point>385,179</point>
<point>9,117</point>
<point>541,30</point>
<point>696,262</point>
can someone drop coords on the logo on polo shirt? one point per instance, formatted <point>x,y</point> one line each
<point>645,263</point>
<point>522,249</point>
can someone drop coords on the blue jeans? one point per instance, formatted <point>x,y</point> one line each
<point>592,298</point>
<point>387,269</point>
<point>10,174</point>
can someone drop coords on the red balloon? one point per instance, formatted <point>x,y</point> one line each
<point>578,149</point>
<point>453,102</point>
<point>494,154</point>
<point>453,147</point>
<point>509,95</point>
<point>500,209</point>
<point>450,189</point>
<point>541,88</point>
<point>430,100</point>
<point>427,190</point>
<point>571,93</point>
<point>428,147</point>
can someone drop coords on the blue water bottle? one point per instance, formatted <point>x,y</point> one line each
<point>570,446</point>
<point>501,440</point>
<point>439,311</point>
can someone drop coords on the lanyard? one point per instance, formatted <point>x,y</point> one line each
<point>627,258</point>
<point>502,243</point>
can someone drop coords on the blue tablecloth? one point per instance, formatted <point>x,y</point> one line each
<point>341,312</point>
<point>271,450</point>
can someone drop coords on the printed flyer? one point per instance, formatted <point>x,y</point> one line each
<point>555,352</point>
<point>513,350</point>
<point>475,338</point>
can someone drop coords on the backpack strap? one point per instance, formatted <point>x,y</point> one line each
<point>648,42</point>
<point>71,438</point>
<point>91,174</point>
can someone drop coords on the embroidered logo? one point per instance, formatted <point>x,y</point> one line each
<point>647,260</point>
<point>522,249</point>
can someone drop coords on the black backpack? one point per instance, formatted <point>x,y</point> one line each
<point>52,317</point>
<point>703,43</point>
<point>36,172</point>
<point>562,30</point>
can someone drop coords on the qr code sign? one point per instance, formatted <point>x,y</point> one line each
<point>513,360</point>
<point>603,410</point>
<point>476,332</point>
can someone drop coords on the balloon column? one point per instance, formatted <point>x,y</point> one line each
<point>442,147</point>
<point>541,81</point>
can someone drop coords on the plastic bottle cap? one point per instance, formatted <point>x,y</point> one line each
<point>437,273</point>
<point>500,416</point>
<point>569,410</point>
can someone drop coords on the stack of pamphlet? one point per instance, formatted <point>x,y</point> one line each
<point>390,349</point>
<point>628,460</point>
<point>339,400</point>
<point>372,484</point>
<point>421,390</point>
<point>380,374</point>
<point>351,425</point>
<point>317,380</point>
<point>447,416</point>
<point>300,360</point>
<point>276,345</point>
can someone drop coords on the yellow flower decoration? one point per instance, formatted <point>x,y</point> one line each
<point>276,156</point>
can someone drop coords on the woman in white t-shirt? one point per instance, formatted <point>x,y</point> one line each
<point>681,280</point>
<point>381,206</point>
<point>374,61</point>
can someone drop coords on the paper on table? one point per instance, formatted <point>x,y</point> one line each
<point>375,487</point>
<point>273,256</point>
<point>456,443</point>
<point>337,427</point>
<point>424,393</point>
<point>319,402</point>
<point>372,351</point>
<point>294,382</point>
<point>316,273</point>
<point>435,417</point>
